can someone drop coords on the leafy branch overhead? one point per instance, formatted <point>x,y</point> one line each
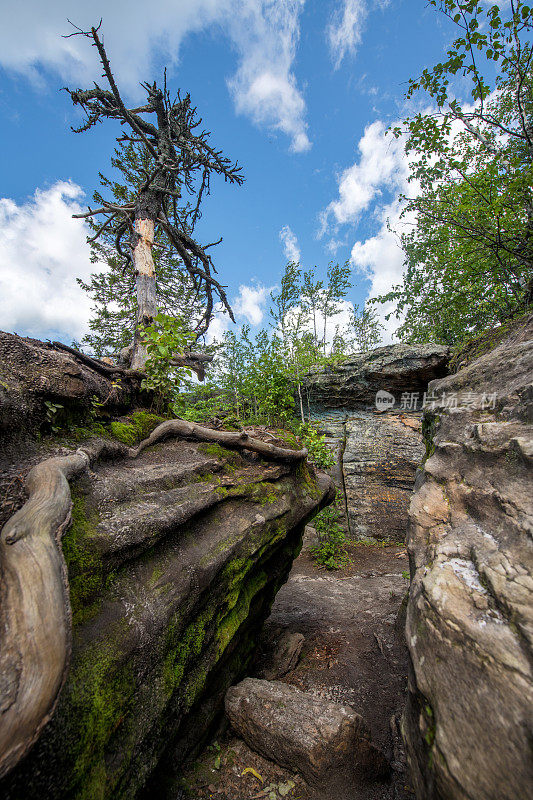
<point>180,165</point>
<point>467,232</point>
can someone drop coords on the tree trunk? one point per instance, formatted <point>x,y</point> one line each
<point>301,402</point>
<point>143,264</point>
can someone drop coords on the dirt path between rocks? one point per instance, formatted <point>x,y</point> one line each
<point>353,654</point>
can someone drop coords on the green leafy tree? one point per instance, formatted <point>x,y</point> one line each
<point>329,299</point>
<point>364,328</point>
<point>311,291</point>
<point>469,253</point>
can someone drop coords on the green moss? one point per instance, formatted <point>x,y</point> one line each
<point>154,577</point>
<point>182,647</point>
<point>311,485</point>
<point>229,624</point>
<point>138,426</point>
<point>215,449</point>
<point>430,425</point>
<point>84,562</point>
<point>101,689</point>
<point>81,433</point>
<point>195,684</point>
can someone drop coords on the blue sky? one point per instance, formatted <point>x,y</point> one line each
<point>299,91</point>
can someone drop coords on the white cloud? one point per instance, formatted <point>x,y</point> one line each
<point>381,259</point>
<point>382,165</point>
<point>344,32</point>
<point>42,252</point>
<point>218,326</point>
<point>250,303</point>
<point>374,183</point>
<point>264,33</point>
<point>290,244</point>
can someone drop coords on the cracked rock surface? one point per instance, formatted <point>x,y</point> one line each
<point>174,559</point>
<point>378,451</point>
<point>468,721</point>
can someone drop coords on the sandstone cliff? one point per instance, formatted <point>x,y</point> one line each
<point>378,451</point>
<point>468,723</point>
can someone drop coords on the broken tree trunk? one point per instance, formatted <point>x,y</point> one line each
<point>143,264</point>
<point>35,613</point>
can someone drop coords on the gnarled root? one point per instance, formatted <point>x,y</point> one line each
<point>35,611</point>
<point>191,430</point>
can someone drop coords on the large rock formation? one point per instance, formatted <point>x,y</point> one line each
<point>354,382</point>
<point>468,723</point>
<point>34,372</point>
<point>169,568</point>
<point>378,451</point>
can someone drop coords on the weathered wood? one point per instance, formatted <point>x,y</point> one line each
<point>143,264</point>
<point>182,427</point>
<point>36,617</point>
<point>35,605</point>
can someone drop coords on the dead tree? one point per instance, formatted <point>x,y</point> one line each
<point>183,162</point>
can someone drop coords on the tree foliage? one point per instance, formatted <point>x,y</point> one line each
<point>259,379</point>
<point>468,227</point>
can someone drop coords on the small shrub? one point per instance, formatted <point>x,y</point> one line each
<point>319,453</point>
<point>164,339</point>
<point>331,551</point>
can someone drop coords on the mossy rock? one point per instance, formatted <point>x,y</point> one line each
<point>134,428</point>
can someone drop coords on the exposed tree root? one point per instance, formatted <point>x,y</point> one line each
<point>35,606</point>
<point>191,430</point>
<point>35,614</point>
<point>194,361</point>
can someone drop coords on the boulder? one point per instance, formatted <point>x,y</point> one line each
<point>468,722</point>
<point>301,732</point>
<point>310,537</point>
<point>280,652</point>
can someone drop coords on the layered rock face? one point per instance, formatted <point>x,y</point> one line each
<point>174,558</point>
<point>468,723</point>
<point>396,368</point>
<point>378,451</point>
